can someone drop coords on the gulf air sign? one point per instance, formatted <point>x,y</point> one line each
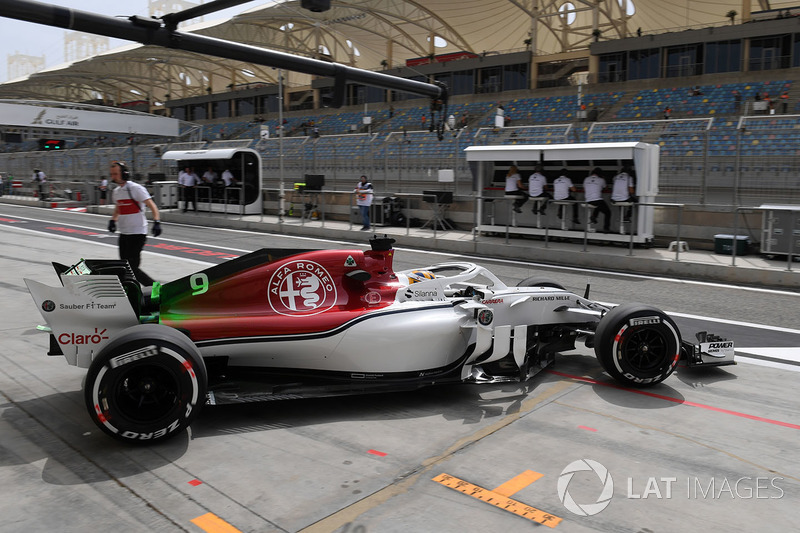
<point>113,121</point>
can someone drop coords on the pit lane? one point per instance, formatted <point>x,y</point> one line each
<point>367,463</point>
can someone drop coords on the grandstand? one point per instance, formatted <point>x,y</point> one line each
<point>731,137</point>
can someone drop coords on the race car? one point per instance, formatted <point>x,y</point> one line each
<point>282,324</point>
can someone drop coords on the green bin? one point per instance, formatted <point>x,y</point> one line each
<point>723,244</point>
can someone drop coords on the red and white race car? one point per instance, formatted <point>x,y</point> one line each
<point>281,324</point>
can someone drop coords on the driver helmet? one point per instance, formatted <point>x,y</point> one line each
<point>416,276</point>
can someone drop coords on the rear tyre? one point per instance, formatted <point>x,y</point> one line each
<point>637,344</point>
<point>146,385</point>
<point>539,281</point>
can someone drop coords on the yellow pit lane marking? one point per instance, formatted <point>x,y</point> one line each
<point>500,500</point>
<point>211,523</point>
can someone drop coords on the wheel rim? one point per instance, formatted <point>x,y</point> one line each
<point>644,350</point>
<point>146,393</point>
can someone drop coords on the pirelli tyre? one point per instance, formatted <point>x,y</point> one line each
<point>539,281</point>
<point>146,385</point>
<point>637,344</point>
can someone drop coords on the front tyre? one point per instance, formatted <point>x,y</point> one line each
<point>146,385</point>
<point>637,344</point>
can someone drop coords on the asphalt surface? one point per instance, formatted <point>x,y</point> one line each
<point>712,449</point>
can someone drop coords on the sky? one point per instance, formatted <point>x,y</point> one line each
<point>37,40</point>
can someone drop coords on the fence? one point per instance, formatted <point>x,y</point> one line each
<point>709,161</point>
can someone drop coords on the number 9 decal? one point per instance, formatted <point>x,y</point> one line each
<point>199,284</point>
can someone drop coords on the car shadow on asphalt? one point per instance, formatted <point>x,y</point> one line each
<point>461,402</point>
<point>56,429</point>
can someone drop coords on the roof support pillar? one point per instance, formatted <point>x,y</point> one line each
<point>534,68</point>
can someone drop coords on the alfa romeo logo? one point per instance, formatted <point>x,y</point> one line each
<point>301,288</point>
<point>485,317</point>
<point>586,509</point>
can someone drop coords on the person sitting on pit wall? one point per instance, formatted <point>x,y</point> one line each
<point>593,187</point>
<point>622,190</point>
<point>514,187</point>
<point>562,190</point>
<point>536,189</point>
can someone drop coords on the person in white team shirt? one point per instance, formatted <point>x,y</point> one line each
<point>537,182</point>
<point>514,187</point>
<point>210,176</point>
<point>562,190</point>
<point>39,179</point>
<point>130,200</point>
<point>623,190</point>
<point>103,188</point>
<point>593,187</point>
<point>187,180</point>
<point>228,179</point>
<point>364,193</point>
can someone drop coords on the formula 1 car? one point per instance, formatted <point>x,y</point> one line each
<point>281,324</point>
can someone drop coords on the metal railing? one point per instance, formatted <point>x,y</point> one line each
<point>409,203</point>
<point>586,232</point>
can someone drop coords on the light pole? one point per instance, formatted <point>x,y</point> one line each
<point>281,193</point>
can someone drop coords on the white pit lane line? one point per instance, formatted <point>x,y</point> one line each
<point>788,354</point>
<point>446,254</point>
<point>791,354</point>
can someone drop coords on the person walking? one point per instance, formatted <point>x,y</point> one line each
<point>130,200</point>
<point>364,193</point>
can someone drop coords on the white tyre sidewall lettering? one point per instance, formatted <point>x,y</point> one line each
<point>620,335</point>
<point>172,425</point>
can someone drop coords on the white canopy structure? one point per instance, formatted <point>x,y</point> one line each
<point>575,158</point>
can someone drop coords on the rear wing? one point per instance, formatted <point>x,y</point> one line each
<point>84,313</point>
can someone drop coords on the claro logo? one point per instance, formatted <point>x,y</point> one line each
<point>78,338</point>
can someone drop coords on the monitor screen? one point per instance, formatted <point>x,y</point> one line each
<point>314,182</point>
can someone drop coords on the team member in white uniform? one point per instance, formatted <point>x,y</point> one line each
<point>210,177</point>
<point>623,189</point>
<point>130,200</point>
<point>227,177</point>
<point>187,180</point>
<point>514,187</point>
<point>229,181</point>
<point>537,183</point>
<point>103,188</point>
<point>593,187</point>
<point>39,178</point>
<point>562,190</point>
<point>364,193</point>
